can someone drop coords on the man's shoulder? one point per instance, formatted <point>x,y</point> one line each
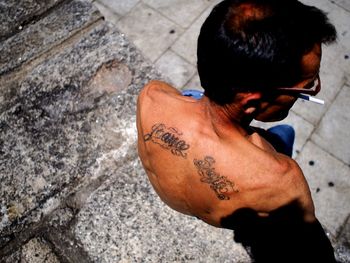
<point>157,88</point>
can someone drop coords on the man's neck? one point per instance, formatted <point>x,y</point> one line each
<point>229,116</point>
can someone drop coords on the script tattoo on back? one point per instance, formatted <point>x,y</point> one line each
<point>168,138</point>
<point>218,183</point>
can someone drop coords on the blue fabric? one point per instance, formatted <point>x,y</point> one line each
<point>283,138</point>
<point>196,94</point>
<point>280,136</point>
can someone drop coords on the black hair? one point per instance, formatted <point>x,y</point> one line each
<point>249,45</point>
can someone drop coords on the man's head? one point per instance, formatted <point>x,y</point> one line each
<point>258,45</point>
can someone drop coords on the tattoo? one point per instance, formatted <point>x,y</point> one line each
<point>220,184</point>
<point>168,138</point>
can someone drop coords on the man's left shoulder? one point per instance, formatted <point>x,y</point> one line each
<point>157,88</point>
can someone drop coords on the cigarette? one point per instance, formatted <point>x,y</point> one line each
<point>310,98</point>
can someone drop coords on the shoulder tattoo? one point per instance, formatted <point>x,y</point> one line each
<point>218,183</point>
<point>168,138</point>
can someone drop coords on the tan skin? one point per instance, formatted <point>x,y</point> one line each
<point>249,172</point>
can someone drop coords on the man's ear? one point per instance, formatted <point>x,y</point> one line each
<point>251,102</point>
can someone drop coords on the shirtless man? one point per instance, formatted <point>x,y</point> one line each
<point>202,156</point>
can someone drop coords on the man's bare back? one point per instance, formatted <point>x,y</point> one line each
<point>254,59</point>
<point>202,166</point>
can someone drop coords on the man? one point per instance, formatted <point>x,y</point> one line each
<point>202,156</point>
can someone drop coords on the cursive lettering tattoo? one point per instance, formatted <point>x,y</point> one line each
<point>220,184</point>
<point>168,138</point>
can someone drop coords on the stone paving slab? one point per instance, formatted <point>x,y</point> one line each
<point>186,45</point>
<point>334,128</point>
<point>15,14</point>
<point>329,183</point>
<point>61,122</point>
<point>41,36</point>
<point>343,3</point>
<point>177,70</point>
<point>182,12</point>
<point>141,228</point>
<point>151,32</point>
<point>120,7</point>
<point>35,251</point>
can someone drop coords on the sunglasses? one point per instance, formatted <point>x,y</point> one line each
<point>312,88</point>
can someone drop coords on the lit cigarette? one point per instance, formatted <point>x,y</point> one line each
<point>310,98</point>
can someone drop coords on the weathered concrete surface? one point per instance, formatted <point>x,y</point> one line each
<point>127,217</point>
<point>36,250</point>
<point>42,35</point>
<point>15,14</point>
<point>61,122</point>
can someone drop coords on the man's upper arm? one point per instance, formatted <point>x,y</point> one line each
<point>297,189</point>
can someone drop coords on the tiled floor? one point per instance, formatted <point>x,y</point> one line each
<point>166,32</point>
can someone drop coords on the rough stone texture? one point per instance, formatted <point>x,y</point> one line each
<point>16,13</point>
<point>58,124</point>
<point>35,251</point>
<point>140,228</point>
<point>41,36</point>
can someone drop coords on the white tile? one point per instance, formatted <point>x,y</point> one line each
<point>183,12</point>
<point>151,32</point>
<point>186,46</point>
<point>175,68</point>
<point>343,3</point>
<point>333,133</point>
<point>118,6</point>
<point>341,20</point>
<point>321,171</point>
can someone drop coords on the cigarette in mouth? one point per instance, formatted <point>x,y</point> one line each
<point>310,98</point>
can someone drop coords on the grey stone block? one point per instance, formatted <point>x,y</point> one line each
<point>61,119</point>
<point>15,13</point>
<point>125,221</point>
<point>50,31</point>
<point>35,251</point>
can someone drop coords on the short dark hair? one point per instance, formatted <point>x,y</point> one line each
<point>257,44</point>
